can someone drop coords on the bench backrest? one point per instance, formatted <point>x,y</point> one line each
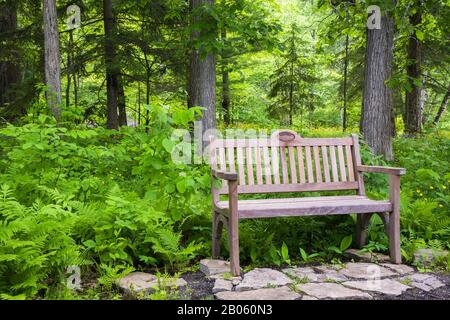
<point>286,162</point>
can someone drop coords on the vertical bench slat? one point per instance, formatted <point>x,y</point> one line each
<point>292,164</point>
<point>350,167</point>
<point>259,179</point>
<point>240,160</point>
<point>317,164</point>
<point>284,170</point>
<point>326,166</point>
<point>222,161</point>
<point>342,164</point>
<point>267,172</point>
<point>231,163</point>
<point>213,158</point>
<point>275,165</point>
<point>309,164</point>
<point>248,156</point>
<point>334,164</point>
<point>301,165</point>
<point>357,162</point>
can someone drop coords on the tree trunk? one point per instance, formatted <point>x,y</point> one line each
<point>122,104</point>
<point>226,101</point>
<point>378,99</point>
<point>442,107</point>
<point>76,80</point>
<point>344,120</point>
<point>69,67</point>
<point>147,102</point>
<point>9,70</point>
<point>413,112</point>
<point>52,58</point>
<point>112,81</point>
<point>202,73</point>
<point>423,98</point>
<point>291,94</point>
<point>139,104</point>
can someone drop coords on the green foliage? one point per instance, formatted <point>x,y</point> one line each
<point>35,245</point>
<point>73,195</point>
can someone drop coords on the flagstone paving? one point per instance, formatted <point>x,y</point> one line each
<point>352,280</point>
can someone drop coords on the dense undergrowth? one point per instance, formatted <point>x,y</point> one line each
<point>112,201</point>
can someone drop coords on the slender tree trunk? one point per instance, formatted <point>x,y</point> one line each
<point>147,102</point>
<point>76,79</point>
<point>378,99</point>
<point>69,79</point>
<point>112,85</point>
<point>9,70</point>
<point>139,104</point>
<point>291,94</point>
<point>442,107</point>
<point>226,101</point>
<point>122,104</point>
<point>202,73</point>
<point>393,124</point>
<point>52,58</point>
<point>346,61</point>
<point>413,110</point>
<point>423,98</point>
<point>69,67</point>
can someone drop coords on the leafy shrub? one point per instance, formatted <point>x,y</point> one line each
<point>77,195</point>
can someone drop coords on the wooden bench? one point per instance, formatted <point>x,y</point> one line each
<point>286,162</point>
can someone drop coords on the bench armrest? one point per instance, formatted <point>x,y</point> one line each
<point>386,170</point>
<point>230,176</point>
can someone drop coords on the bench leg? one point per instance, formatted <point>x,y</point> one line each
<point>362,223</point>
<point>385,218</point>
<point>394,221</point>
<point>217,226</point>
<point>233,229</point>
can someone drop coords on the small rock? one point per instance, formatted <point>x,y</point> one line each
<point>236,282</point>
<point>213,267</point>
<point>332,291</point>
<point>367,256</point>
<point>426,257</point>
<point>263,278</point>
<point>365,271</point>
<point>398,268</point>
<point>137,282</point>
<point>385,286</point>
<point>280,293</point>
<point>222,285</point>
<point>423,281</point>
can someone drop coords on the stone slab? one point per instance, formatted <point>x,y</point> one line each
<point>365,271</point>
<point>367,256</point>
<point>384,286</point>
<point>222,285</point>
<point>331,291</point>
<point>212,267</point>
<point>137,282</point>
<point>263,278</point>
<point>280,293</point>
<point>398,268</point>
<point>423,281</point>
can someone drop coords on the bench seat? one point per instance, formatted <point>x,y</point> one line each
<point>308,206</point>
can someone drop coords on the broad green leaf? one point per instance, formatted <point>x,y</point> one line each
<point>346,242</point>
